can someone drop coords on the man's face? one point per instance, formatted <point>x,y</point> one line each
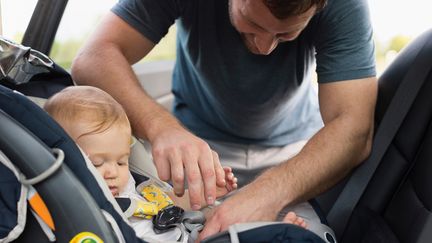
<point>260,30</point>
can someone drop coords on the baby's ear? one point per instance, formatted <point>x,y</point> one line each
<point>132,141</point>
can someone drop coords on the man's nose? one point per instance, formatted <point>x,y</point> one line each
<point>265,43</point>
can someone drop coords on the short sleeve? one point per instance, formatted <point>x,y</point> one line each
<point>152,18</point>
<point>344,42</point>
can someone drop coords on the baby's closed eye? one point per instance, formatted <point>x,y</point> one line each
<point>122,163</point>
<point>96,161</point>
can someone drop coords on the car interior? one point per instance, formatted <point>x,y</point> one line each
<point>386,199</point>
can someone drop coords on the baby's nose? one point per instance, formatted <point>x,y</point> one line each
<point>111,171</point>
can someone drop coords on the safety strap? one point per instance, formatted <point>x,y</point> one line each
<point>193,222</point>
<point>396,112</point>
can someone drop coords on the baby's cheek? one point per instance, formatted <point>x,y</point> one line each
<point>101,171</point>
<point>124,179</point>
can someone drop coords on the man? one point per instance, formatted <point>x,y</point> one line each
<point>242,84</point>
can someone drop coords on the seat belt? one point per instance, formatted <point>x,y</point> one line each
<point>396,112</point>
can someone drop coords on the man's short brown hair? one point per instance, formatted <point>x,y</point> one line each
<point>282,9</point>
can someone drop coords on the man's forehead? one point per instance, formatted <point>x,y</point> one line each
<point>257,12</point>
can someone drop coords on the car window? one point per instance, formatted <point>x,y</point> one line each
<point>78,22</point>
<point>16,15</point>
<point>395,22</point>
<point>74,31</point>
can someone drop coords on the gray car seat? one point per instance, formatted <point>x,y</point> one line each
<point>396,205</point>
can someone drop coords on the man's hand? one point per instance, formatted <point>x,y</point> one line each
<point>247,205</point>
<point>178,154</point>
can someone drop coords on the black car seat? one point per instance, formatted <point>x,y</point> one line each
<point>76,203</point>
<point>396,205</point>
<point>32,157</point>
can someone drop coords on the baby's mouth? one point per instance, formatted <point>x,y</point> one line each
<point>114,190</point>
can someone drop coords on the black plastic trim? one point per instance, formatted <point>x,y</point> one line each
<point>41,31</point>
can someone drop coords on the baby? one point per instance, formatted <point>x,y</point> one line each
<point>99,125</point>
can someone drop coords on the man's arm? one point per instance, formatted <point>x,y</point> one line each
<point>105,62</point>
<point>347,109</point>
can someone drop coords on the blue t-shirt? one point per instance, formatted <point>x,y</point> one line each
<point>224,92</point>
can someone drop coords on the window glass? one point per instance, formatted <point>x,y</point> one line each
<point>395,22</point>
<point>81,18</point>
<point>16,15</point>
<point>78,22</point>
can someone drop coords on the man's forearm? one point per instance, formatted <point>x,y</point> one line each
<point>325,159</point>
<point>111,72</point>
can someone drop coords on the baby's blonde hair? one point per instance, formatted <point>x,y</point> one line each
<point>86,105</point>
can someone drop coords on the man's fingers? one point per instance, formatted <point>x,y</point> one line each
<point>209,176</point>
<point>177,173</point>
<point>219,170</point>
<point>194,183</point>
<point>162,165</point>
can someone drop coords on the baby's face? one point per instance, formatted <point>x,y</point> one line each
<point>109,152</point>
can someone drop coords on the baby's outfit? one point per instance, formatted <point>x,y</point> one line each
<point>146,201</point>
